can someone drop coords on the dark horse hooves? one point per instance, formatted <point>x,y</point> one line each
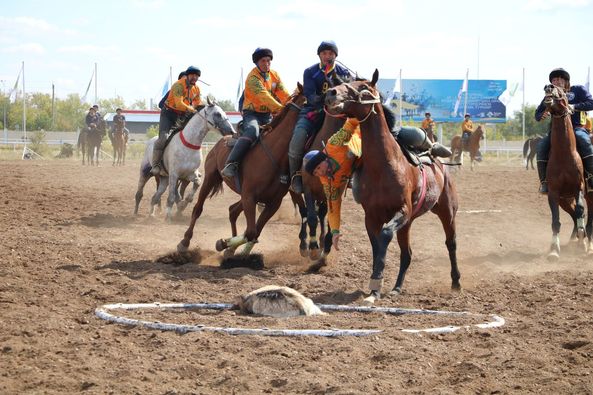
<point>221,244</point>
<point>317,265</point>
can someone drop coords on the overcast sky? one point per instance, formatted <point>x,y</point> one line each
<point>134,42</point>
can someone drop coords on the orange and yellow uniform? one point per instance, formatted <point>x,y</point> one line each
<point>427,124</point>
<point>181,96</point>
<point>264,93</point>
<point>467,126</point>
<point>588,125</point>
<point>343,148</point>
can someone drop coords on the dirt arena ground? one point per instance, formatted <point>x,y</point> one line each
<point>69,243</point>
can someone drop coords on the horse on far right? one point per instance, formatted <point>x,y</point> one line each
<point>472,146</point>
<point>530,149</point>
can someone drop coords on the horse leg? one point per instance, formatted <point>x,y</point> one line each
<point>235,210</point>
<point>554,253</point>
<point>250,236</point>
<point>580,215</point>
<point>380,238</point>
<point>321,213</point>
<point>183,200</point>
<point>297,200</point>
<point>140,191</point>
<point>405,257</point>
<point>312,222</point>
<point>589,226</point>
<point>172,198</point>
<point>267,213</point>
<point>212,180</point>
<point>156,198</point>
<point>446,213</point>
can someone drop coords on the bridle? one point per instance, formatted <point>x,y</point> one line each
<point>375,99</point>
<point>554,95</point>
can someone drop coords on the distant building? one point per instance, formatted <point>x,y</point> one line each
<point>138,121</point>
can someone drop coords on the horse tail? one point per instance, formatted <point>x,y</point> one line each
<point>216,189</point>
<point>526,148</point>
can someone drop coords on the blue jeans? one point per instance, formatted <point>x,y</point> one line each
<point>252,121</point>
<point>584,146</point>
<point>304,128</point>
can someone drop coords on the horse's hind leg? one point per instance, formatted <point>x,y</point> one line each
<point>297,199</point>
<point>140,191</point>
<point>312,221</point>
<point>263,218</point>
<point>446,213</point>
<point>235,210</point>
<point>156,198</point>
<point>380,237</point>
<point>405,257</point>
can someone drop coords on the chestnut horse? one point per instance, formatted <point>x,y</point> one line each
<point>119,142</point>
<point>529,150</point>
<point>393,192</point>
<point>566,184</point>
<point>473,147</point>
<point>89,142</point>
<point>263,179</point>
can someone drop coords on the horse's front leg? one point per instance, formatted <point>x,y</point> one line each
<point>380,238</point>
<point>580,216</point>
<point>235,210</point>
<point>312,222</point>
<point>140,191</point>
<point>172,197</point>
<point>554,253</point>
<point>156,198</point>
<point>190,196</point>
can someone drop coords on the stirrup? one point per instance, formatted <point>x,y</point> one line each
<point>230,170</point>
<point>296,183</point>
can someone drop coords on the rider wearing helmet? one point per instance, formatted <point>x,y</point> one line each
<point>334,167</point>
<point>316,81</point>
<point>183,99</point>
<point>580,101</point>
<point>264,95</point>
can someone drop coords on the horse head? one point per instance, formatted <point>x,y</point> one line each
<point>479,132</point>
<point>556,101</point>
<point>354,98</point>
<point>216,117</point>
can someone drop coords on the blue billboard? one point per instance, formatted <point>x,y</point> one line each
<point>445,100</point>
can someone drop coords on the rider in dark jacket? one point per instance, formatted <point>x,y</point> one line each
<point>580,101</point>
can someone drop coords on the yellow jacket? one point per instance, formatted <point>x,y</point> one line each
<point>343,148</point>
<point>467,126</point>
<point>264,94</point>
<point>427,124</point>
<point>588,125</point>
<point>181,96</point>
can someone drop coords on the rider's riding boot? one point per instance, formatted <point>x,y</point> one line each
<point>231,168</point>
<point>436,149</point>
<point>296,181</point>
<point>541,172</point>
<point>157,157</point>
<point>588,167</point>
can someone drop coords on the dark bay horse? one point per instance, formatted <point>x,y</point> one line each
<point>529,150</point>
<point>263,179</point>
<point>393,192</point>
<point>89,142</point>
<point>473,147</point>
<point>566,184</point>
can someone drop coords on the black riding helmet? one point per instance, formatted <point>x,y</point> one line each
<point>261,53</point>
<point>193,70</point>
<point>559,72</point>
<point>325,45</point>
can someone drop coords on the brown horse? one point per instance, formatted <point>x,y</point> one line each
<point>119,142</point>
<point>89,142</point>
<point>263,179</point>
<point>473,147</point>
<point>529,150</point>
<point>430,133</point>
<point>393,192</point>
<point>565,174</point>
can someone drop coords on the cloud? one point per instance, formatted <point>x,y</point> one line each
<point>28,48</point>
<point>27,25</point>
<point>88,49</point>
<point>549,5</point>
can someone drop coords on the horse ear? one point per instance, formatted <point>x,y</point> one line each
<point>209,101</point>
<point>299,87</point>
<point>375,78</point>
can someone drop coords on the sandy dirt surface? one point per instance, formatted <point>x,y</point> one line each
<point>69,243</point>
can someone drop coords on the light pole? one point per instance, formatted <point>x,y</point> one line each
<point>4,104</point>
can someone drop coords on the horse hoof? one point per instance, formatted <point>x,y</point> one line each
<point>456,287</point>
<point>228,253</point>
<point>220,245</point>
<point>314,254</point>
<point>316,266</point>
<point>181,248</point>
<point>304,252</point>
<point>553,256</point>
<point>369,300</point>
<point>395,292</point>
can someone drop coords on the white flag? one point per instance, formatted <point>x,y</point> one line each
<point>588,83</point>
<point>13,92</point>
<point>396,89</point>
<point>83,98</point>
<point>464,86</point>
<point>166,87</point>
<point>239,91</point>
<point>509,93</point>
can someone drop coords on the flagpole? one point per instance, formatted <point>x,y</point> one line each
<point>95,83</point>
<point>5,102</point>
<point>170,75</point>
<point>401,93</point>
<point>466,92</point>
<point>24,106</point>
<point>523,105</point>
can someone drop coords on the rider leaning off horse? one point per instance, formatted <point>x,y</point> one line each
<point>316,81</point>
<point>334,165</point>
<point>580,101</point>
<point>183,99</point>
<point>264,95</point>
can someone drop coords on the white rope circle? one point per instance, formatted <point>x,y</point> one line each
<point>103,313</point>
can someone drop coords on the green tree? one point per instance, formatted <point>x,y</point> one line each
<point>139,105</point>
<point>109,105</point>
<point>70,113</point>
<point>226,105</point>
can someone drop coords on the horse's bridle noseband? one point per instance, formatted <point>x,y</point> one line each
<point>375,99</point>
<point>551,97</point>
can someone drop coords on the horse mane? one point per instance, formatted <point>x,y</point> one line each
<point>183,120</point>
<point>280,117</point>
<point>389,116</point>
